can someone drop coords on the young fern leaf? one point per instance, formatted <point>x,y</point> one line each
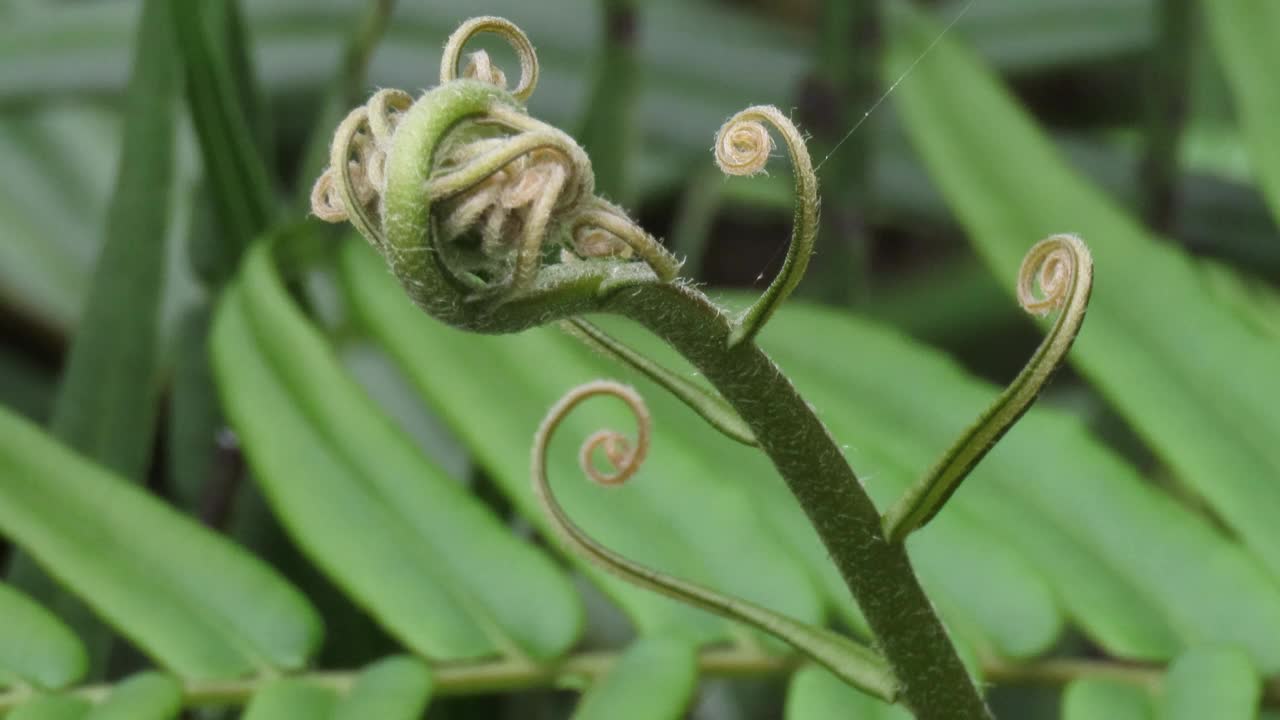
<point>707,404</point>
<point>1062,267</point>
<point>466,196</point>
<point>855,664</point>
<point>742,148</point>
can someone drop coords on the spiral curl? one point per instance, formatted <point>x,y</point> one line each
<point>480,67</point>
<point>1051,265</point>
<point>624,456</point>
<point>743,147</point>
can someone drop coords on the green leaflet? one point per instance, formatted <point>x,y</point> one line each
<point>52,707</point>
<point>1198,384</point>
<point>1243,34</point>
<point>396,688</point>
<point>653,680</point>
<point>1105,700</point>
<point>328,458</point>
<point>816,694</point>
<point>291,700</point>
<point>105,405</point>
<point>148,696</point>
<point>35,646</point>
<point>1211,683</point>
<point>706,529</point>
<point>131,557</point>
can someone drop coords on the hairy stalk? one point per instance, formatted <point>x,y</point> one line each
<point>467,198</point>
<point>853,663</point>
<point>933,682</point>
<point>1063,268</point>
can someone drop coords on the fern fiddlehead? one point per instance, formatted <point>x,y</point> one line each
<point>488,219</point>
<point>464,194</point>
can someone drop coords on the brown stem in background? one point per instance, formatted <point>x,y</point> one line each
<point>839,95</point>
<point>1168,70</point>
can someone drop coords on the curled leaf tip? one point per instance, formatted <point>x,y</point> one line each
<point>854,663</point>
<point>1048,270</point>
<point>624,457</point>
<point>479,66</point>
<point>1056,274</point>
<point>742,147</point>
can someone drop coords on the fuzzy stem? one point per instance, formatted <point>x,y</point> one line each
<point>934,684</point>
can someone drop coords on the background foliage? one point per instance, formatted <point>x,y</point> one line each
<point>237,468</point>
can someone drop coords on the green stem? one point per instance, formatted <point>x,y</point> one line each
<point>933,682</point>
